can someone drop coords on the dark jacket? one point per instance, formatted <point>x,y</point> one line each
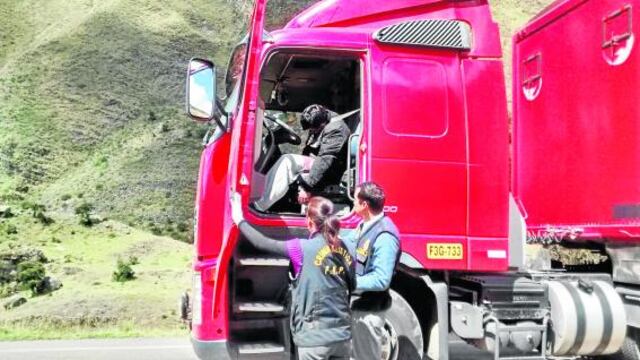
<point>320,313</point>
<point>331,158</point>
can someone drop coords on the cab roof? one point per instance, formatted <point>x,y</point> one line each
<point>328,12</point>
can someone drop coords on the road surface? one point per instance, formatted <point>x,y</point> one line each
<point>143,349</point>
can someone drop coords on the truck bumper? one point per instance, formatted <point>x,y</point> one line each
<point>210,350</point>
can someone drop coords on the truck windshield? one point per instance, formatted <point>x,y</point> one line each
<point>235,68</point>
<point>279,12</point>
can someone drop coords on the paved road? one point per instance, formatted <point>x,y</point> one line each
<point>120,349</point>
<point>142,349</point>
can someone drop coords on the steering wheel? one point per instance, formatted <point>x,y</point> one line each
<point>292,137</point>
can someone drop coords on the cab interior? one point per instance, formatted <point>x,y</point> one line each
<point>289,82</point>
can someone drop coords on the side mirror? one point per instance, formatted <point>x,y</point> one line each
<point>201,90</point>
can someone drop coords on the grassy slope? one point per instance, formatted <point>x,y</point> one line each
<point>91,96</point>
<point>90,303</point>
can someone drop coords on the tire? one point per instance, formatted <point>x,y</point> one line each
<point>403,325</point>
<point>629,349</point>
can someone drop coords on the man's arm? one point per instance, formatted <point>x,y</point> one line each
<point>330,145</point>
<point>383,259</point>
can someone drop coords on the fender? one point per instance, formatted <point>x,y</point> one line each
<point>440,349</point>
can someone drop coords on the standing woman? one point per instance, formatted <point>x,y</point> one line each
<point>324,277</point>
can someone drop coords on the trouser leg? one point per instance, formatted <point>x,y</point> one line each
<point>313,353</point>
<point>341,351</point>
<point>370,341</point>
<point>280,177</point>
<point>337,351</point>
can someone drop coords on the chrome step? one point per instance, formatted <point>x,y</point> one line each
<point>256,261</point>
<point>258,307</point>
<point>260,348</point>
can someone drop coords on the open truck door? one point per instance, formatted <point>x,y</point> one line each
<point>209,300</point>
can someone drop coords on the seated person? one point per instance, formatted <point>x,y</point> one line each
<point>323,161</point>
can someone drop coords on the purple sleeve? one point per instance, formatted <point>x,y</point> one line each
<point>294,248</point>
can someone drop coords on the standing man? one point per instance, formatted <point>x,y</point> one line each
<point>377,253</point>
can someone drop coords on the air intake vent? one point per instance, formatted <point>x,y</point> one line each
<point>450,34</point>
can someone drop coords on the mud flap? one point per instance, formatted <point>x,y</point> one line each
<point>439,331</point>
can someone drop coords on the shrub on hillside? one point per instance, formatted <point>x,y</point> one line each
<point>38,212</point>
<point>155,230</point>
<point>133,260</point>
<point>12,197</point>
<point>84,213</point>
<point>182,227</point>
<point>201,132</point>
<point>7,290</point>
<point>11,229</point>
<point>6,212</point>
<point>30,275</point>
<point>101,162</point>
<point>124,271</point>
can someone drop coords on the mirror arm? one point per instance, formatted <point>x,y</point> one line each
<point>220,109</point>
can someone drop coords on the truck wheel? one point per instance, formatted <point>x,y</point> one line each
<point>628,351</point>
<point>403,327</point>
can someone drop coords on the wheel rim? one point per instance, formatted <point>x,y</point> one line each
<point>392,349</point>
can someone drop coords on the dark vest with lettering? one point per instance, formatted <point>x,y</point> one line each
<point>373,300</point>
<point>368,239</point>
<point>320,313</point>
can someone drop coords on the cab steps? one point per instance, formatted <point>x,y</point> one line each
<point>265,339</point>
<point>264,261</point>
<point>259,323</point>
<point>258,307</point>
<point>260,348</point>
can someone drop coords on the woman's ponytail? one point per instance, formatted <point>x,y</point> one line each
<point>331,229</point>
<point>320,212</point>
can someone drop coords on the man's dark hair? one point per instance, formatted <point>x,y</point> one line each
<point>373,194</point>
<point>314,116</point>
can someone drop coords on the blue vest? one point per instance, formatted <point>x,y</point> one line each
<point>367,239</point>
<point>320,313</point>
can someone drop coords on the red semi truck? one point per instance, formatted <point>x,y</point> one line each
<point>522,239</point>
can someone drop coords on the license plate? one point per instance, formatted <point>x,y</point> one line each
<point>444,251</point>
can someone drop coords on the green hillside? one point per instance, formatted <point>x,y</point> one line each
<point>92,96</point>
<point>91,112</point>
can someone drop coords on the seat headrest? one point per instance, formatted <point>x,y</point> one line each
<point>352,119</point>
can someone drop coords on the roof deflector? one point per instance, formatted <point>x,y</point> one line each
<point>449,34</point>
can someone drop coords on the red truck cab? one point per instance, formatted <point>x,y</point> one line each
<point>420,84</point>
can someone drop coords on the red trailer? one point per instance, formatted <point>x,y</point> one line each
<point>526,248</point>
<point>576,149</point>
